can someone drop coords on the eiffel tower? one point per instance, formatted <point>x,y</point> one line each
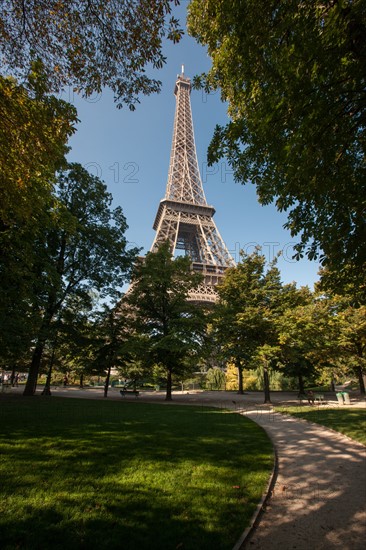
<point>184,218</point>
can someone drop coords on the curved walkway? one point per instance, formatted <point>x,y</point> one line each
<point>319,496</point>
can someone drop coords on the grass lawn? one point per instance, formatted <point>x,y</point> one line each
<point>351,422</point>
<point>77,473</point>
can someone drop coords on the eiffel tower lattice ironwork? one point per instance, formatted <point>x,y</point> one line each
<point>184,218</point>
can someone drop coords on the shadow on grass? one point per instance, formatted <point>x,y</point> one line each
<point>124,523</point>
<point>88,474</point>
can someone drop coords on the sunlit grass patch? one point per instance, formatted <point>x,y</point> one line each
<point>350,422</point>
<point>98,474</point>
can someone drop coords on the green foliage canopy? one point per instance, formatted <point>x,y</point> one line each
<point>293,74</point>
<point>250,299</point>
<point>34,129</point>
<point>306,334</point>
<point>89,44</point>
<point>352,339</point>
<point>83,252</point>
<point>173,326</point>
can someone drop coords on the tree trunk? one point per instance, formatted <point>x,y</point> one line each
<point>106,383</point>
<point>358,371</point>
<point>168,396</point>
<point>31,385</point>
<point>301,384</point>
<point>267,395</point>
<point>240,378</point>
<point>47,388</point>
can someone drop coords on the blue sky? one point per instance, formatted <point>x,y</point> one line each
<point>130,151</point>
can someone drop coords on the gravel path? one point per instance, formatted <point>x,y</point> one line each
<point>319,496</point>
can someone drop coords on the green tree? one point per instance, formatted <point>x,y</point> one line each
<point>134,371</point>
<point>231,377</point>
<point>215,379</point>
<point>293,74</point>
<point>85,252</point>
<point>172,326</point>
<point>343,282</point>
<point>72,342</point>
<point>306,335</point>
<point>34,128</point>
<point>110,334</point>
<point>250,298</point>
<point>330,332</point>
<point>89,44</point>
<point>236,346</point>
<point>352,341</point>
<point>334,330</point>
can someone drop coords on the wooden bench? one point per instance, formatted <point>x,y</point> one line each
<point>129,392</point>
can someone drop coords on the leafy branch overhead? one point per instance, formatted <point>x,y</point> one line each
<point>89,44</point>
<point>293,74</point>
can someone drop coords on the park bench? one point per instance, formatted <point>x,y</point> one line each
<point>128,392</point>
<point>317,397</point>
